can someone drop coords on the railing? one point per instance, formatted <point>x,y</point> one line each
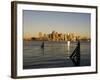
<point>75,56</point>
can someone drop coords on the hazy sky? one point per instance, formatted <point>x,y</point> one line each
<point>47,21</point>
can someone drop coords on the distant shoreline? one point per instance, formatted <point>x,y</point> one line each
<point>54,41</point>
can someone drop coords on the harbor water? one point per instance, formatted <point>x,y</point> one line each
<point>54,54</point>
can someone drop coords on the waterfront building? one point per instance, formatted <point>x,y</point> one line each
<point>56,36</point>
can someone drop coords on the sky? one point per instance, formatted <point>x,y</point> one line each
<point>48,21</point>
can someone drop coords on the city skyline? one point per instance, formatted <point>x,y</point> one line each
<point>62,22</point>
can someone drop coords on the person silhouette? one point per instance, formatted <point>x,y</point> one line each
<point>42,46</point>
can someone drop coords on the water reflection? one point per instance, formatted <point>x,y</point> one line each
<point>68,49</point>
<point>75,56</point>
<point>54,54</point>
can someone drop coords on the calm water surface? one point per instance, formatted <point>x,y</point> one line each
<point>54,54</point>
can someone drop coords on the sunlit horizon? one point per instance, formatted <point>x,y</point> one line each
<point>62,22</point>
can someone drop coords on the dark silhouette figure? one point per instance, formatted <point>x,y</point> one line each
<point>42,46</point>
<point>75,56</point>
